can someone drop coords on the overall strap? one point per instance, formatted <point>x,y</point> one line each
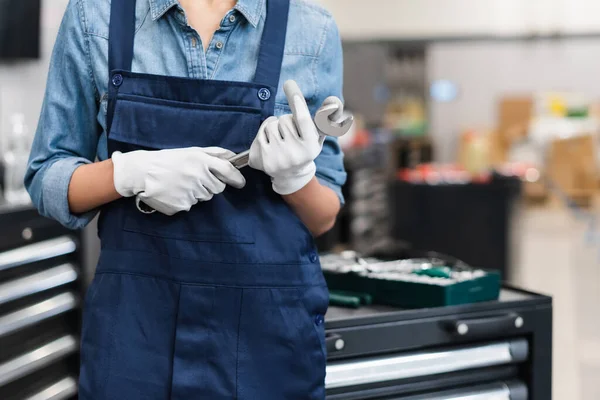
<point>120,48</point>
<point>121,34</point>
<point>272,44</point>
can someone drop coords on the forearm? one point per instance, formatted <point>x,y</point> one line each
<point>316,205</point>
<point>92,186</point>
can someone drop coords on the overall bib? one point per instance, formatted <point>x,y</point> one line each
<point>225,301</point>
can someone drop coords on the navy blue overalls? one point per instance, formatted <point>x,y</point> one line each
<point>225,301</point>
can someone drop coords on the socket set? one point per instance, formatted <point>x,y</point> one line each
<point>410,283</point>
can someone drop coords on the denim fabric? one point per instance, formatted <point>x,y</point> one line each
<point>71,129</point>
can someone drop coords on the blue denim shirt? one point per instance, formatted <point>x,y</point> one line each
<point>72,125</point>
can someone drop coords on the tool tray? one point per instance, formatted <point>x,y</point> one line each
<point>413,283</point>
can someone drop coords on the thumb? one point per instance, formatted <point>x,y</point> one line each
<point>219,152</point>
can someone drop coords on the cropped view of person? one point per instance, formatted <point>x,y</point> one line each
<point>299,199</point>
<point>208,284</point>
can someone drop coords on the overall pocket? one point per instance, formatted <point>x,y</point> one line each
<point>154,124</point>
<point>166,124</point>
<point>128,338</point>
<point>281,344</point>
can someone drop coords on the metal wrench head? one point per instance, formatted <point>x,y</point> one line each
<point>331,124</point>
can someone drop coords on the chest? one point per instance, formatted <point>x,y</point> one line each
<point>168,46</point>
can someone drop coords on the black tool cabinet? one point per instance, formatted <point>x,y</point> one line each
<point>40,297</point>
<point>499,350</point>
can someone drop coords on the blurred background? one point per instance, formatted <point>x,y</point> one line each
<point>476,136</point>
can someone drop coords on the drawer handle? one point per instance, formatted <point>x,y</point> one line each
<point>37,313</point>
<point>334,342</point>
<point>492,325</point>
<point>37,252</point>
<point>37,359</point>
<point>36,283</point>
<point>64,389</point>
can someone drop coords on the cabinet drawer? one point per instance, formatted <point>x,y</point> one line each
<point>23,227</point>
<point>34,360</point>
<point>419,333</point>
<point>37,252</point>
<point>36,313</point>
<point>32,284</point>
<point>415,365</point>
<point>54,382</point>
<point>64,389</point>
<point>494,391</point>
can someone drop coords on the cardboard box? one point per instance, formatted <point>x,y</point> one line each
<point>572,166</point>
<point>514,114</point>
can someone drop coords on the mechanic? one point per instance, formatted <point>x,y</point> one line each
<point>208,284</point>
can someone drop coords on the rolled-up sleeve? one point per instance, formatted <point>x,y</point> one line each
<point>68,131</point>
<point>329,77</point>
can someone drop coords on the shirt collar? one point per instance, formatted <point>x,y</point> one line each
<point>251,9</point>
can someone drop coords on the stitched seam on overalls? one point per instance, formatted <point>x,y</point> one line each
<point>112,346</point>
<point>174,342</point>
<point>212,262</point>
<point>237,351</point>
<point>185,283</point>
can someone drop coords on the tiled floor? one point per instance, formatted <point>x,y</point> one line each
<point>556,256</point>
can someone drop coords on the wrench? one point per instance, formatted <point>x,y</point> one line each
<point>330,120</point>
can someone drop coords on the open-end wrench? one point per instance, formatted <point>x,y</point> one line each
<point>330,120</point>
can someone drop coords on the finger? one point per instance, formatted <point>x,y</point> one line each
<point>273,133</point>
<point>227,173</point>
<point>288,127</point>
<point>201,193</point>
<point>297,103</point>
<point>218,152</point>
<point>263,135</point>
<point>214,185</point>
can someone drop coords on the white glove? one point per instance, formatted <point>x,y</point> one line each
<point>174,180</point>
<point>286,147</point>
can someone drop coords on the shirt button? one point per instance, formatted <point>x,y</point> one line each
<point>313,257</point>
<point>232,18</point>
<point>264,94</point>
<point>219,45</point>
<point>319,320</point>
<point>117,80</point>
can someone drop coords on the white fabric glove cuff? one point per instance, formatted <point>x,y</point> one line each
<point>288,184</point>
<point>124,175</point>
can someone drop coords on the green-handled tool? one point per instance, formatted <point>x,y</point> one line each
<point>343,298</point>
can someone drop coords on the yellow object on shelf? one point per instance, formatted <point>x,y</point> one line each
<point>557,106</point>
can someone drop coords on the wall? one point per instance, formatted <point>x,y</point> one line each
<point>485,71</point>
<point>395,19</point>
<point>22,83</point>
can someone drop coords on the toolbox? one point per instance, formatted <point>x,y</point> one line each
<point>40,306</point>
<point>500,350</point>
<point>411,283</point>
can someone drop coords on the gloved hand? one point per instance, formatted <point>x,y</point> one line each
<point>286,147</point>
<point>174,180</point>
